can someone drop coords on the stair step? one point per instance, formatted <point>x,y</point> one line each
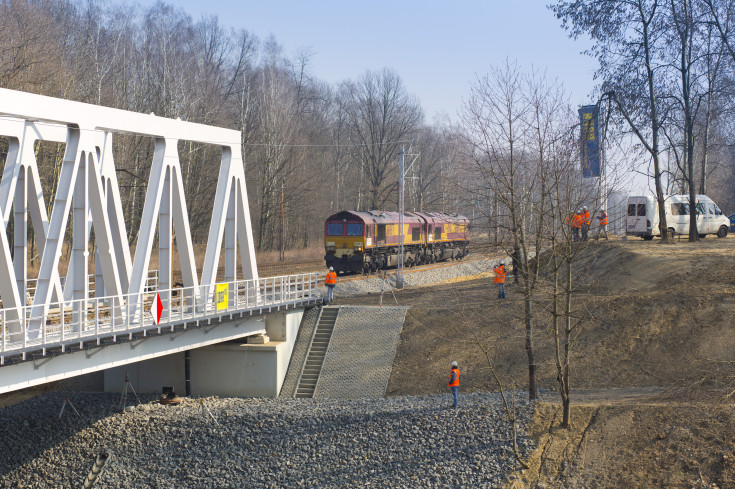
<point>317,352</point>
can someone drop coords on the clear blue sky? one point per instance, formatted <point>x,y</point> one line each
<point>437,48</point>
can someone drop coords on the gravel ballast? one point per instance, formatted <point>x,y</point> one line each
<point>236,442</point>
<point>411,278</point>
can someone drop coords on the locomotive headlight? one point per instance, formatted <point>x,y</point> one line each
<point>330,246</point>
<point>358,246</point>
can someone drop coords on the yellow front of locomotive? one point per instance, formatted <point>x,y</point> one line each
<point>344,243</point>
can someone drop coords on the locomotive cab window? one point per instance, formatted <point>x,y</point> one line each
<point>438,232</point>
<point>415,234</point>
<point>335,229</point>
<point>354,229</point>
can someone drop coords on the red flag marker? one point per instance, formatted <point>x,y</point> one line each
<point>157,309</point>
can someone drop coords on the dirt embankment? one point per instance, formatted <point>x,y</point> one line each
<point>655,348</point>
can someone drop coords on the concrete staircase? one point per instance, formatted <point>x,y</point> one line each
<point>317,350</point>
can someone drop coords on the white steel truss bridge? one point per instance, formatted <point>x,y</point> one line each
<point>46,320</point>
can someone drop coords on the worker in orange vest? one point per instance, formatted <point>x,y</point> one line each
<point>330,281</point>
<point>500,279</point>
<point>454,383</point>
<point>585,224</point>
<point>602,226</point>
<point>574,222</point>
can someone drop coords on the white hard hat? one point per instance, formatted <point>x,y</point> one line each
<point>454,363</point>
<point>331,268</point>
<point>584,208</point>
<point>502,263</point>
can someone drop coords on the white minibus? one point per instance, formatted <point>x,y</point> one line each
<point>642,217</point>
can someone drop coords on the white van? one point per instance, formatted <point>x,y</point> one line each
<point>642,216</point>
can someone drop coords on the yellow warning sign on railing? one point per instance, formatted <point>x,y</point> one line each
<point>221,296</point>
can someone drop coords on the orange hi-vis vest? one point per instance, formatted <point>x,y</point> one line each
<point>454,383</point>
<point>499,274</point>
<point>331,278</point>
<point>603,218</point>
<point>578,219</point>
<point>586,217</point>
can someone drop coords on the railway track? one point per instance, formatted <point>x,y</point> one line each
<point>419,268</point>
<point>289,268</point>
<point>270,270</point>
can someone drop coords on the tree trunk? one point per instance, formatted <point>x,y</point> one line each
<point>566,403</point>
<point>705,147</point>
<point>532,389</point>
<point>663,226</point>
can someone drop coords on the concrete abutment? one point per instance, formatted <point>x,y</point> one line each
<point>253,366</point>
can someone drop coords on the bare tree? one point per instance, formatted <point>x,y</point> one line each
<point>295,128</point>
<point>513,124</point>
<point>567,194</point>
<point>722,17</point>
<point>627,36</point>
<point>381,118</point>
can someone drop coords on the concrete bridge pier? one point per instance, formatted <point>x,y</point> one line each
<point>250,366</point>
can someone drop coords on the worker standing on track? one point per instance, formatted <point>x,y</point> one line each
<point>454,383</point>
<point>330,281</point>
<point>602,226</point>
<point>500,279</point>
<point>585,223</point>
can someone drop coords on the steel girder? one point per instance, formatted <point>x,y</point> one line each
<point>87,188</point>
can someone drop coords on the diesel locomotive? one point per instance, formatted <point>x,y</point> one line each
<point>367,241</point>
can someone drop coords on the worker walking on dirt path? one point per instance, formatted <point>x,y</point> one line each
<point>500,279</point>
<point>330,281</point>
<point>454,383</point>
<point>602,225</point>
<point>585,223</point>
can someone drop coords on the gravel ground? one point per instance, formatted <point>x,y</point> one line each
<point>412,278</point>
<point>394,442</point>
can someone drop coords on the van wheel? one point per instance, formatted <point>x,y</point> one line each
<point>722,233</point>
<point>672,232</point>
<point>702,236</point>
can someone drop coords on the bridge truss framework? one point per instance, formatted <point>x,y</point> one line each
<point>62,311</point>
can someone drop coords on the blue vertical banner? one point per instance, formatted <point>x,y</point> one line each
<point>591,155</point>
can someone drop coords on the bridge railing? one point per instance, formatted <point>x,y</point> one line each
<point>104,318</point>
<point>151,283</point>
